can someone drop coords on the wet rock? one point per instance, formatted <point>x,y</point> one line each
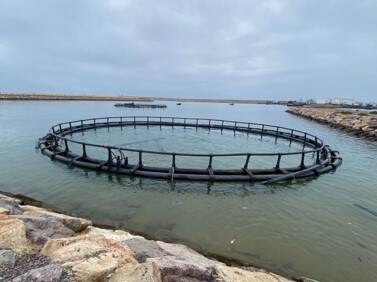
<point>10,204</point>
<point>306,279</point>
<point>48,273</point>
<point>183,262</point>
<point>144,249</point>
<point>144,272</point>
<point>7,258</point>
<point>90,257</point>
<point>13,234</point>
<point>234,274</point>
<point>74,223</point>
<point>40,228</point>
<point>10,200</point>
<point>116,235</point>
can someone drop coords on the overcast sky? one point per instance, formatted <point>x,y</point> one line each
<point>199,48</point>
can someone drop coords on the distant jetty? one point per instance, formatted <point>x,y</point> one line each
<point>361,123</point>
<point>138,105</point>
<point>63,97</point>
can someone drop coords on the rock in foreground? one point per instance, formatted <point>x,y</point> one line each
<point>40,245</point>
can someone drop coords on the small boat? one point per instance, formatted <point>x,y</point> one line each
<point>232,104</point>
<point>178,104</point>
<point>135,105</point>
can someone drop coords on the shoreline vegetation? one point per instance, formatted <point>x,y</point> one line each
<point>358,122</point>
<point>39,244</point>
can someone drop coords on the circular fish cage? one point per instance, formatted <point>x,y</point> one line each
<point>58,146</point>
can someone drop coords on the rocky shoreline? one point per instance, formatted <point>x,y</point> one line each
<point>361,123</point>
<point>37,244</point>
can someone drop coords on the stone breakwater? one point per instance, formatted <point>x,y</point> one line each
<point>40,245</point>
<point>361,123</point>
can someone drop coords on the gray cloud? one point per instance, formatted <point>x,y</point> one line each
<point>240,49</point>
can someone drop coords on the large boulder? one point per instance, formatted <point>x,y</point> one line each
<point>144,249</point>
<point>48,273</point>
<point>40,228</point>
<point>181,262</point>
<point>143,272</point>
<point>90,257</point>
<point>74,223</point>
<point>13,234</point>
<point>234,274</point>
<point>175,269</point>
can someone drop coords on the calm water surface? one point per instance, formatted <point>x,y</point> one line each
<point>307,228</point>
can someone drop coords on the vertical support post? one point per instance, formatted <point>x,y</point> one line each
<point>66,149</point>
<point>147,122</point>
<point>302,164</point>
<point>222,126</point>
<point>276,134</point>
<point>196,125</point>
<point>210,162</point>
<point>82,123</point>
<point>290,139</point>
<point>119,162</point>
<point>84,151</point>
<point>173,161</point>
<point>172,122</point>
<point>261,135</point>
<point>134,122</point>
<point>246,165</point>
<point>184,123</point>
<point>303,147</point>
<point>248,129</point>
<point>140,159</point>
<point>109,158</point>
<point>318,157</point>
<point>277,166</point>
<point>70,126</point>
<point>60,127</point>
<point>56,140</point>
<point>160,122</point>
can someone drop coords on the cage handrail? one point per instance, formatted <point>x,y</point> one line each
<point>107,119</point>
